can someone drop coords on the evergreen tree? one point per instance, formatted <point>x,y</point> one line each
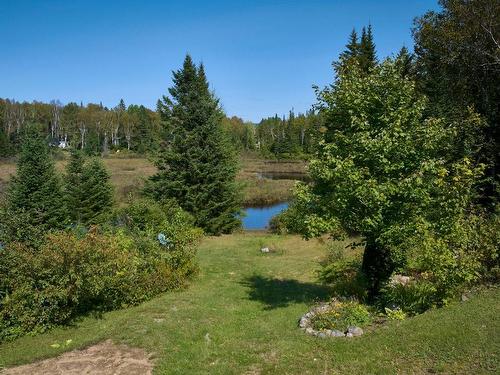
<point>121,106</point>
<point>34,194</point>
<point>74,193</point>
<point>97,193</point>
<point>352,47</point>
<point>197,164</point>
<point>367,56</point>
<point>404,62</point>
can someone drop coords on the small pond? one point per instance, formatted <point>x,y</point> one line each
<point>257,218</point>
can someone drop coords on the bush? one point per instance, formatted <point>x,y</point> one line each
<point>277,224</point>
<point>150,218</point>
<point>412,298</point>
<point>75,272</point>
<point>69,276</point>
<point>343,273</point>
<point>443,264</point>
<point>341,315</point>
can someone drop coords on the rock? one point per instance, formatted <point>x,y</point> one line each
<point>399,280</point>
<point>349,334</point>
<point>303,322</point>
<point>264,250</point>
<point>322,335</point>
<point>309,330</point>
<point>328,332</point>
<point>355,331</point>
<point>464,298</point>
<point>337,333</point>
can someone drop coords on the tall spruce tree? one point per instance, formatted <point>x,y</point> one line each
<point>97,193</point>
<point>367,55</point>
<point>352,47</point>
<point>197,165</point>
<point>34,194</point>
<point>74,193</point>
<point>405,63</point>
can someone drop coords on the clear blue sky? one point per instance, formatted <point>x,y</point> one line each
<point>261,57</point>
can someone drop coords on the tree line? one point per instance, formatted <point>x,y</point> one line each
<point>92,127</point>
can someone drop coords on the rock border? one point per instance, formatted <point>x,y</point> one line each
<point>306,325</point>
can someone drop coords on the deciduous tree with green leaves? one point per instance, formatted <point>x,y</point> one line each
<point>382,169</point>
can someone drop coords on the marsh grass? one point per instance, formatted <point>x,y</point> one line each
<point>129,171</point>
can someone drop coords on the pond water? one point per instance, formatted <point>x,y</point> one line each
<point>257,218</point>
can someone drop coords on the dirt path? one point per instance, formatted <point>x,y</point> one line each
<point>105,358</point>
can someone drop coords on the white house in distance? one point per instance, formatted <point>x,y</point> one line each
<point>63,144</point>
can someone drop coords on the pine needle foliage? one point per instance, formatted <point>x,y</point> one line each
<point>34,194</point>
<point>197,164</point>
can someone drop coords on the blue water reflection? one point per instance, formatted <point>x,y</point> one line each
<point>258,217</point>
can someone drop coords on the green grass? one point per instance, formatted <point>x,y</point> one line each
<point>240,316</point>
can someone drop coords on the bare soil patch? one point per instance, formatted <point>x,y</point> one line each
<point>102,359</point>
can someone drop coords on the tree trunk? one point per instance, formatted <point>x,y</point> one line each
<point>377,266</point>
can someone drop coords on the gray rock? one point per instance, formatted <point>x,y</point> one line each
<point>464,298</point>
<point>349,334</point>
<point>337,333</point>
<point>264,250</point>
<point>355,331</point>
<point>322,335</point>
<point>309,330</point>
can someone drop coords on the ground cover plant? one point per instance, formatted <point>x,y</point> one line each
<point>341,315</point>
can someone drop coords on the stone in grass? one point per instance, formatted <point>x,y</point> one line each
<point>349,334</point>
<point>322,335</point>
<point>309,330</point>
<point>265,250</point>
<point>355,331</point>
<point>337,333</point>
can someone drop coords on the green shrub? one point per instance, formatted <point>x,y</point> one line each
<point>150,218</point>
<point>343,273</point>
<point>341,316</point>
<point>71,274</point>
<point>395,314</point>
<point>412,298</point>
<point>277,224</point>
<point>443,263</point>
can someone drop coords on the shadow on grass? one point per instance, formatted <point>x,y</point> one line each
<point>276,293</point>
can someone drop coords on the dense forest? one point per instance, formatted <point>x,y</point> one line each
<point>98,129</point>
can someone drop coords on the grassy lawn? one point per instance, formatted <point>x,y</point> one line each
<point>128,175</point>
<point>239,316</point>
